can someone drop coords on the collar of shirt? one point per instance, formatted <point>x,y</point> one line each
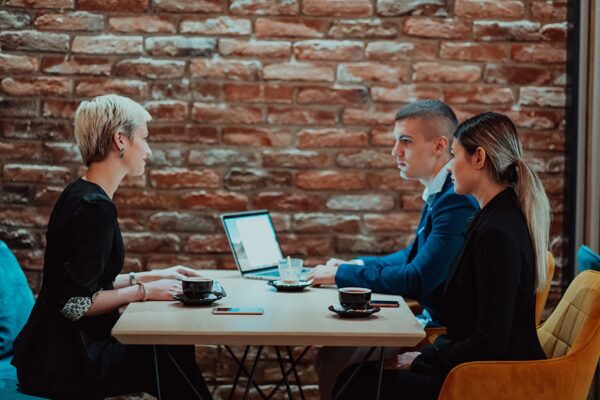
<point>436,185</point>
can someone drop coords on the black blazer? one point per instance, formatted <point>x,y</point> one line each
<point>489,300</point>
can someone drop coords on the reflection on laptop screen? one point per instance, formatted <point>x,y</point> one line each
<point>253,241</point>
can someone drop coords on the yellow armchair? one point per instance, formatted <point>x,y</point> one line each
<point>571,340</point>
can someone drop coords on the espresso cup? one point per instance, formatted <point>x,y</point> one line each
<point>354,297</point>
<point>196,287</point>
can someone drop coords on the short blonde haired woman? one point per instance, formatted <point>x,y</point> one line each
<point>66,350</point>
<point>488,302</point>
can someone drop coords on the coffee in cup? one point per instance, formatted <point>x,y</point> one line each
<point>354,297</point>
<point>196,287</point>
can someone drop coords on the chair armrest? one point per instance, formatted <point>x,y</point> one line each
<point>526,380</point>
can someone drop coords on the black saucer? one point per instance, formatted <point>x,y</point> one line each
<point>352,313</point>
<point>289,287</point>
<point>209,298</point>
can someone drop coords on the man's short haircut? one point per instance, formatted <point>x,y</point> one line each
<point>97,120</point>
<point>442,118</point>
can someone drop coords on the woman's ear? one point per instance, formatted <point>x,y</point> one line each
<point>479,158</point>
<point>118,140</point>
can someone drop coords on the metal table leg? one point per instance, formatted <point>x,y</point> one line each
<point>251,378</point>
<point>283,374</point>
<point>294,363</point>
<point>380,373</point>
<point>358,368</point>
<point>183,374</point>
<point>289,352</point>
<point>156,370</point>
<point>241,369</point>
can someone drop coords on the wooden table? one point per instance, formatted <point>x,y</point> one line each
<point>290,319</point>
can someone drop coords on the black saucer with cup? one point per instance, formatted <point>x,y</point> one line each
<point>354,303</point>
<point>199,291</point>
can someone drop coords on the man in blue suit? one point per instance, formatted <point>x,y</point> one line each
<point>423,131</point>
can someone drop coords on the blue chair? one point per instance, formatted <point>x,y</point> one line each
<point>16,302</point>
<point>587,259</point>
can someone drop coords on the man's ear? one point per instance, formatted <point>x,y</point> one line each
<point>479,158</point>
<point>442,146</point>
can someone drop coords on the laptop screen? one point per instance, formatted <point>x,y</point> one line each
<point>253,240</point>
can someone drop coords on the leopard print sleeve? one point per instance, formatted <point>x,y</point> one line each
<point>76,307</point>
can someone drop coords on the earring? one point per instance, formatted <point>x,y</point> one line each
<point>121,153</point>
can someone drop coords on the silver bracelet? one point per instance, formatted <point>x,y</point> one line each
<point>140,284</point>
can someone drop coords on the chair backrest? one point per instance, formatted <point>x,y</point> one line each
<point>542,295</point>
<point>575,320</point>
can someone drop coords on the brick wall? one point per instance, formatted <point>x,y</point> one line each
<point>280,104</point>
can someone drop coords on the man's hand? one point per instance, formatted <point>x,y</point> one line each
<point>322,275</point>
<point>335,262</point>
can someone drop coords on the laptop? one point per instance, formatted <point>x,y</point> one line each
<point>254,244</point>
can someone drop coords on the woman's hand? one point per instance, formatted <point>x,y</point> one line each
<point>405,360</point>
<point>163,289</point>
<point>176,272</point>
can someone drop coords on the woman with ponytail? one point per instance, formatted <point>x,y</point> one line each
<point>489,297</point>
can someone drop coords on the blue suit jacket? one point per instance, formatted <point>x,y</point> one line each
<point>419,270</point>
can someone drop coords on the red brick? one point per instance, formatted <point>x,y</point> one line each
<point>247,179</point>
<point>481,9</point>
<point>329,50</point>
<point>469,51</point>
<point>555,32</point>
<point>338,8</point>
<point>370,244</point>
<point>517,31</point>
<point>285,27</point>
<point>222,157</point>
<point>145,200</point>
<point>47,196</point>
<point>76,65</point>
<point>389,50</point>
<point>361,202</point>
<point>330,180</point>
<point>257,137</point>
<point>412,202</point>
<point>534,119</point>
<point>437,72</point>
<point>124,87</point>
<point>35,173</point>
<point>19,238</point>
<point>167,110</point>
<point>333,95</point>
<point>25,217</point>
<point>20,151</point>
<point>142,24</point>
<point>226,114</point>
<point>186,6</point>
<point>158,261</point>
<point>176,89</point>
<point>299,116</point>
<point>391,180</point>
<point>396,222</point>
<point>255,48</point>
<point>186,133</point>
<point>113,5</point>
<point>16,64</point>
<point>382,136</point>
<point>305,245</point>
<point>316,138</point>
<point>365,158</point>
<point>280,201</point>
<point>225,69</point>
<point>373,72</point>
<point>225,201</point>
<point>206,90</point>
<point>150,68</point>
<point>61,153</point>
<point>478,94</point>
<point>542,96</point>
<point>215,243</point>
<point>363,29</point>
<point>293,158</point>
<point>441,28</point>
<point>390,8</point>
<point>405,93</point>
<point>325,223</point>
<point>258,93</point>
<point>59,108</point>
<point>39,130</point>
<point>177,178</point>
<point>538,53</point>
<point>264,7</point>
<point>62,4</point>
<point>34,41</point>
<point>542,10</point>
<point>14,20</point>
<point>73,21</point>
<point>181,222</point>
<point>134,182</point>
<point>18,108</point>
<point>298,72</point>
<point>222,25</point>
<point>365,116</point>
<point>45,86</point>
<point>180,46</point>
<point>142,242</point>
<point>552,141</point>
<point>517,74</point>
<point>107,44</point>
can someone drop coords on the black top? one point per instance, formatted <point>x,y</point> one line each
<point>489,300</point>
<point>84,254</point>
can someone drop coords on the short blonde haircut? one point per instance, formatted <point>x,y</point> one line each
<point>97,120</point>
